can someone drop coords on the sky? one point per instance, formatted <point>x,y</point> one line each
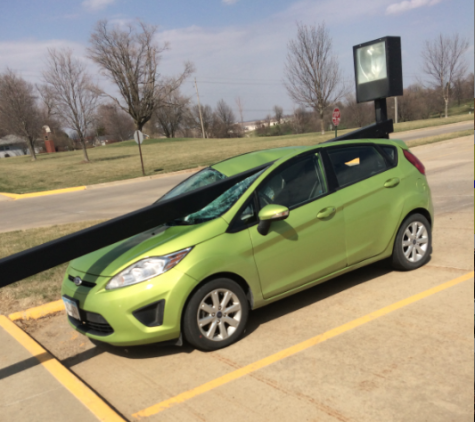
<point>238,47</point>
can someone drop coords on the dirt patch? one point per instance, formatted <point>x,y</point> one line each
<point>54,334</point>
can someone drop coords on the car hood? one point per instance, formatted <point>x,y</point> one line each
<point>159,241</point>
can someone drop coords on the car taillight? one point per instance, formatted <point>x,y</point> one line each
<point>414,161</point>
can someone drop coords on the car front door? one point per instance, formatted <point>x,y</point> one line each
<point>310,243</point>
<point>369,185</point>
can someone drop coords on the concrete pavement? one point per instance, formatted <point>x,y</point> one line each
<point>36,387</point>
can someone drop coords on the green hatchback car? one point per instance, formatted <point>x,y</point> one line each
<point>311,214</point>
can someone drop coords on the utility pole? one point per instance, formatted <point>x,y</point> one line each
<point>199,109</point>
<point>395,109</point>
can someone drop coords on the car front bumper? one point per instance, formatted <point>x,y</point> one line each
<point>144,313</point>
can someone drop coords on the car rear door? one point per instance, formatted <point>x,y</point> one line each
<point>368,181</point>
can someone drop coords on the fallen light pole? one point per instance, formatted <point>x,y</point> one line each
<point>40,258</point>
<point>378,75</point>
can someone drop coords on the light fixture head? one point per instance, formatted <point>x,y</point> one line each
<point>378,69</point>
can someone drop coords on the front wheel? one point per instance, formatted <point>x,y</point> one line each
<point>413,244</point>
<point>216,315</point>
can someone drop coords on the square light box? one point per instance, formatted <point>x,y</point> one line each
<point>378,69</point>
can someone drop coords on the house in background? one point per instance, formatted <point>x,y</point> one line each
<point>14,146</point>
<point>102,141</point>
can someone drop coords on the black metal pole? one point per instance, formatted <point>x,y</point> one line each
<point>381,110</point>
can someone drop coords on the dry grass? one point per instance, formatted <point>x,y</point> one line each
<point>438,138</point>
<point>121,161</point>
<point>43,287</point>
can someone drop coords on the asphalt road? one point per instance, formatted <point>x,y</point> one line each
<point>112,201</point>
<point>434,131</point>
<point>372,345</point>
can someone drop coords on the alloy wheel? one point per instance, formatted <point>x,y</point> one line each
<point>415,241</point>
<point>219,314</point>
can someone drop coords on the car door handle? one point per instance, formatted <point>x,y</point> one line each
<point>392,182</point>
<point>326,212</point>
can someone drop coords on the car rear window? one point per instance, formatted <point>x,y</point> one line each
<point>355,163</point>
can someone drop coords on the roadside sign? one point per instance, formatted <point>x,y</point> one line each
<point>138,136</point>
<point>336,116</point>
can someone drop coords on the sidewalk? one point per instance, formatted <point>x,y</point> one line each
<point>34,386</point>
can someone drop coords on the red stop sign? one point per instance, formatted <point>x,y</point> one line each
<point>336,116</point>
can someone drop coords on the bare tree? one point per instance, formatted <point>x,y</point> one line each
<point>444,63</point>
<point>169,118</point>
<point>301,120</point>
<point>116,122</point>
<point>357,115</point>
<point>74,95</point>
<point>312,73</point>
<point>19,113</point>
<point>278,113</point>
<point>223,121</point>
<point>129,56</point>
<point>192,118</point>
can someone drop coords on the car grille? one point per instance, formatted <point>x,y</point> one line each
<point>84,283</point>
<point>92,323</point>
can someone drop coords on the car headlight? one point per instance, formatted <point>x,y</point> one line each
<point>146,269</point>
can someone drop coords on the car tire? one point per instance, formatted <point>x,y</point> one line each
<point>413,244</point>
<point>215,315</point>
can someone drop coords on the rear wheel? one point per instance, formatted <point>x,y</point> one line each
<point>413,244</point>
<point>216,315</point>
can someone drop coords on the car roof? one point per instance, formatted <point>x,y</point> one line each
<point>247,161</point>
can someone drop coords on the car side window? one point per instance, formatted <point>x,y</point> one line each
<point>391,152</point>
<point>354,163</point>
<point>294,184</point>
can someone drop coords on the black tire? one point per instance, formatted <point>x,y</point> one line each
<point>400,260</point>
<point>201,337</point>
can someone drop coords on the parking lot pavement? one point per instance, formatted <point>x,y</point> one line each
<point>29,391</point>
<point>369,360</point>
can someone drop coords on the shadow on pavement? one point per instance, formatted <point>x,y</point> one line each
<point>315,294</point>
<point>23,365</point>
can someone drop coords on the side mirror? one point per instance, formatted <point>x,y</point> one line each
<point>271,213</point>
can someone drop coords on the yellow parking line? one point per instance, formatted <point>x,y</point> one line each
<point>180,398</point>
<point>38,311</point>
<point>86,396</point>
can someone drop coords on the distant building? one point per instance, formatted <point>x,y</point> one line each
<point>253,125</point>
<point>14,146</point>
<point>101,141</point>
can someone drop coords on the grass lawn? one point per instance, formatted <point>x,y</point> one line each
<point>121,161</point>
<point>43,287</point>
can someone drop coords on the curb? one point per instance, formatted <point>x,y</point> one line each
<point>38,312</point>
<point>16,196</point>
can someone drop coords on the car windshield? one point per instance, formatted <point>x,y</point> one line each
<point>198,180</point>
<point>220,205</point>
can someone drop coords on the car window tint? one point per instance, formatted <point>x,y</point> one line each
<point>391,152</point>
<point>355,163</point>
<point>248,213</point>
<point>294,184</point>
<point>198,180</point>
